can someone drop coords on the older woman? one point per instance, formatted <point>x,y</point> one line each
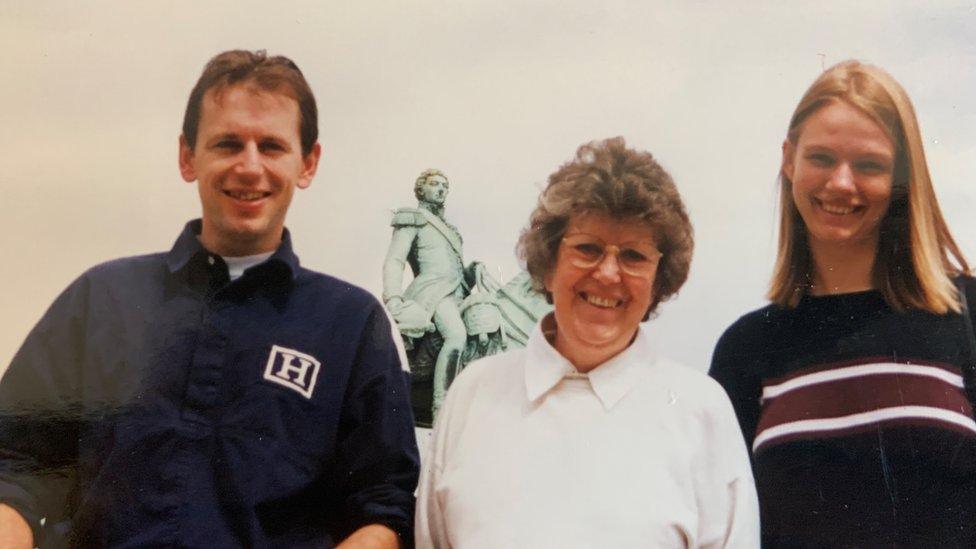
<point>584,438</point>
<point>850,387</point>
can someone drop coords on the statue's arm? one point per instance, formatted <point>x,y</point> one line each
<point>396,258</point>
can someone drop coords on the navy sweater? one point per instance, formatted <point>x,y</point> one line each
<point>860,428</point>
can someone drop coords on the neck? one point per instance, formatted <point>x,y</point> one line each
<point>843,268</point>
<point>239,248</point>
<point>586,362</point>
<point>436,209</point>
<point>584,357</point>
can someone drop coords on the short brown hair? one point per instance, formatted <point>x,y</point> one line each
<point>609,178</point>
<point>272,74</point>
<point>912,267</point>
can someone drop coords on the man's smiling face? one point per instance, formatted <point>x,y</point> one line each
<point>247,161</point>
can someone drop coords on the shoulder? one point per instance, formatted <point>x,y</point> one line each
<point>968,283</point>
<point>754,323</point>
<point>741,351</point>
<point>122,277</point>
<point>482,386</point>
<point>751,331</point>
<point>495,373</point>
<point>707,426</point>
<point>319,286</point>
<point>695,386</point>
<point>346,315</point>
<point>702,406</point>
<point>111,284</point>
<point>343,311</point>
<point>968,280</point>
<point>408,217</point>
<point>125,267</point>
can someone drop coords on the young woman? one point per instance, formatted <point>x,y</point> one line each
<point>849,387</point>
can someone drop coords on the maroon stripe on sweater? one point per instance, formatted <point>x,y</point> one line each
<point>845,397</point>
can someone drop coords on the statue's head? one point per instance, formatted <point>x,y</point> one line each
<point>431,186</point>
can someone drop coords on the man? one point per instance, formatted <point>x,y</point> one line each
<point>219,394</point>
<point>432,247</point>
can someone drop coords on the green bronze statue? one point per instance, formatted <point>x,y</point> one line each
<point>449,314</point>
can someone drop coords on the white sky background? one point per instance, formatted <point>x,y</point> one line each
<point>496,94</point>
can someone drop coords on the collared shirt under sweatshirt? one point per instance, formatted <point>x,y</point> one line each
<point>640,452</point>
<point>157,403</point>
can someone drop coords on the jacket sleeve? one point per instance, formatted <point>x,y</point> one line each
<point>40,411</point>
<point>377,460</point>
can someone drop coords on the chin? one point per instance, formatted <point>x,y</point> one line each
<point>839,237</point>
<point>249,227</point>
<point>603,335</point>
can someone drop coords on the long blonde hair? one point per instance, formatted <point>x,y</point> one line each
<point>913,267</point>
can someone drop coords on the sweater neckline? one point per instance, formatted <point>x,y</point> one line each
<point>862,301</point>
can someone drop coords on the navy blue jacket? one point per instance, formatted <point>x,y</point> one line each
<point>157,403</point>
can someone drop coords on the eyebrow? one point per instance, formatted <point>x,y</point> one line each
<point>233,136</point>
<point>221,137</point>
<point>881,155</point>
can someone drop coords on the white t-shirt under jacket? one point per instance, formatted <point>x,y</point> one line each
<point>640,452</point>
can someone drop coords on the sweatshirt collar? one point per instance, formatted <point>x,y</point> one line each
<point>188,244</point>
<point>611,381</point>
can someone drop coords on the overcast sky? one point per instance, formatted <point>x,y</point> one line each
<point>496,94</point>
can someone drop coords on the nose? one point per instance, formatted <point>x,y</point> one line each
<point>249,163</point>
<point>842,177</point>
<point>607,270</point>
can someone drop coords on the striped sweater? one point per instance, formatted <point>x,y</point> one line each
<point>860,428</point>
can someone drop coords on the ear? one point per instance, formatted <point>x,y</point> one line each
<point>547,282</point>
<point>187,170</point>
<point>789,154</point>
<point>310,163</point>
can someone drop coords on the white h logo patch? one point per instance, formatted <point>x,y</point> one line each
<point>293,369</point>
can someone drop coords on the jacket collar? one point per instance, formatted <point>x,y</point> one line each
<point>187,245</point>
<point>611,381</point>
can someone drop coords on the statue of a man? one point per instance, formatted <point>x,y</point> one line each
<point>432,247</point>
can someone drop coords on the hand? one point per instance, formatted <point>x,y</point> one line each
<point>373,536</point>
<point>412,320</point>
<point>15,533</point>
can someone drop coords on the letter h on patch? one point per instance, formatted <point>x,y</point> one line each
<point>293,369</point>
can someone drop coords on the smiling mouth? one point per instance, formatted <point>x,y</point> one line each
<point>247,196</point>
<point>835,209</point>
<point>602,302</point>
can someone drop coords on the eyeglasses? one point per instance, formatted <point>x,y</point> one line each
<point>586,251</point>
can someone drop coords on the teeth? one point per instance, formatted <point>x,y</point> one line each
<point>601,302</point>
<point>244,195</point>
<point>836,210</point>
